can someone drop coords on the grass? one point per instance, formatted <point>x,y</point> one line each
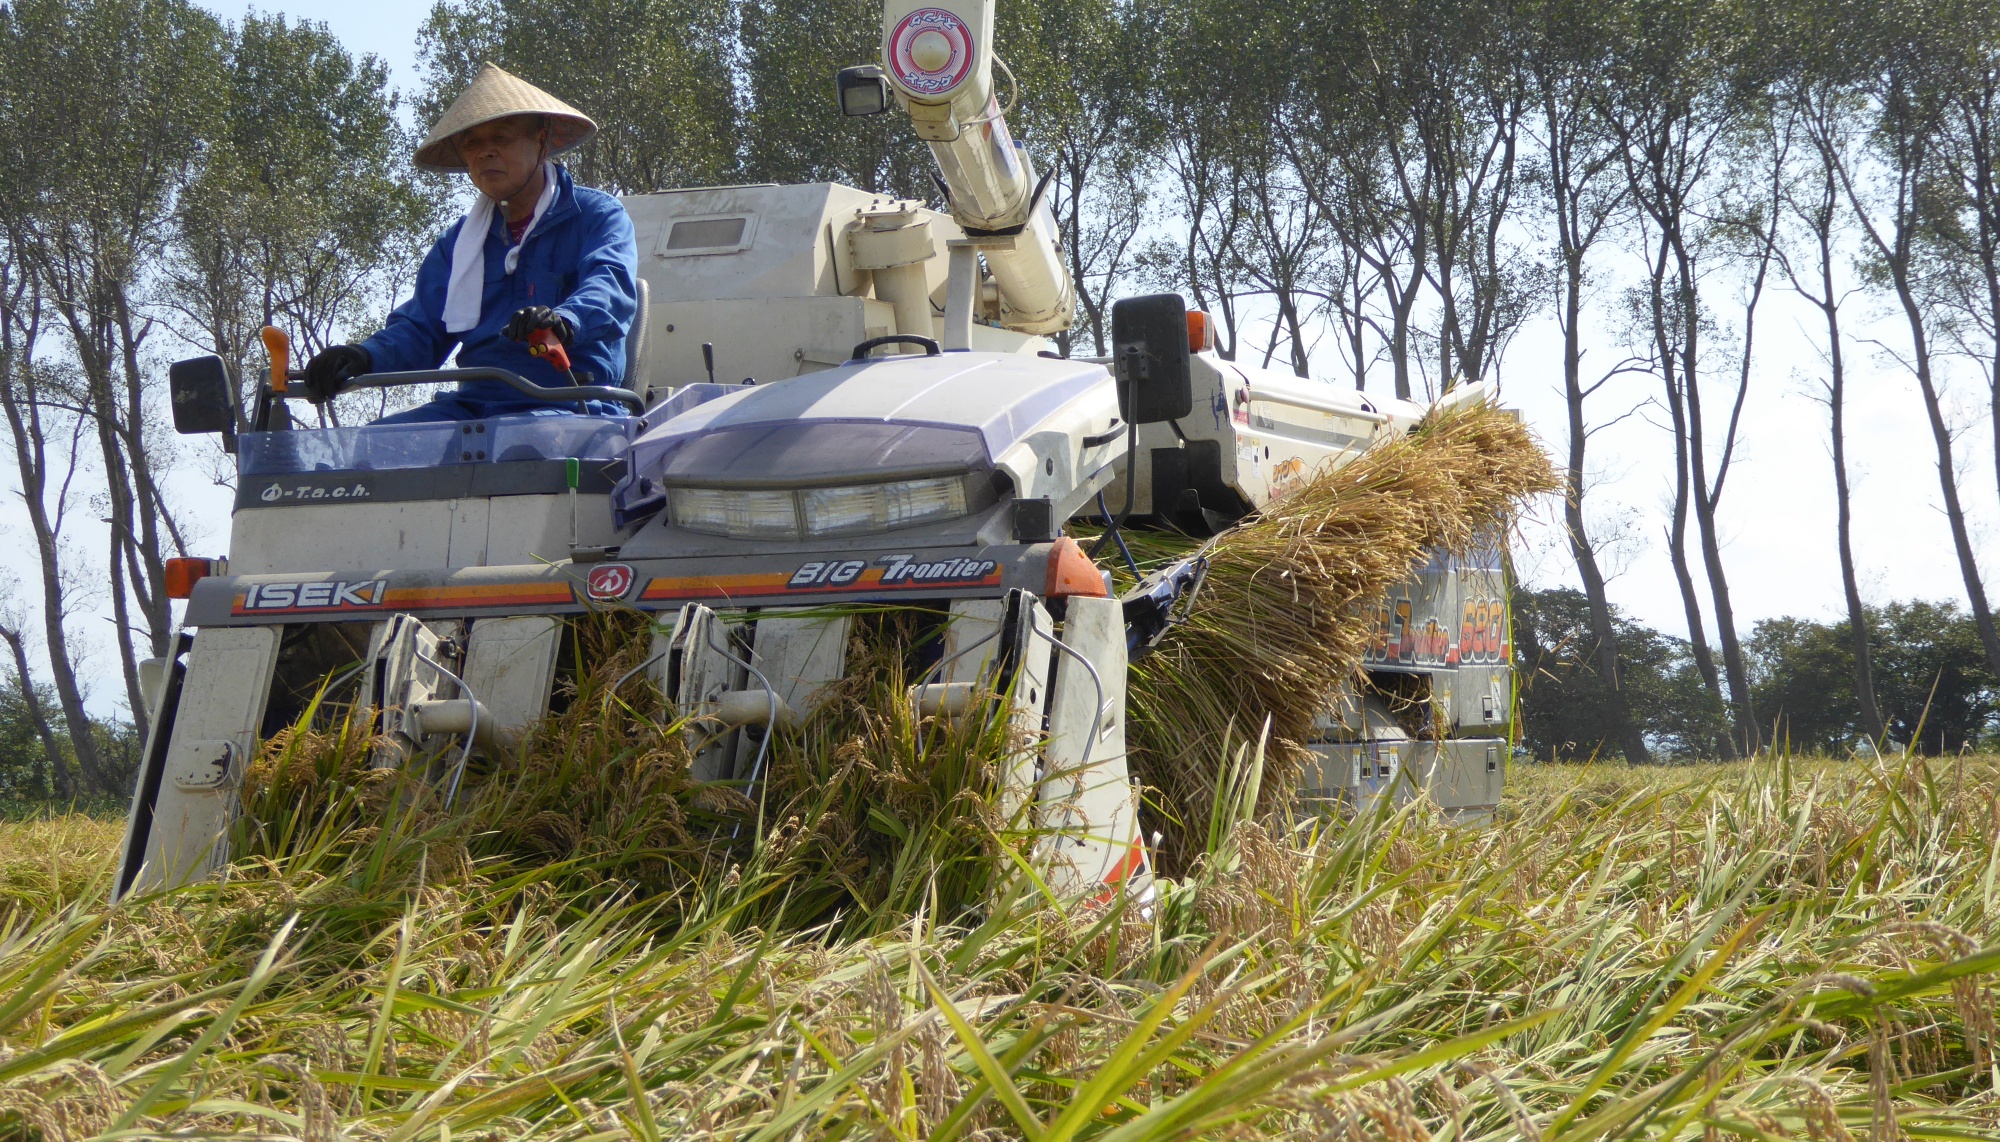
<point>48,862</point>
<point>1784,949</point>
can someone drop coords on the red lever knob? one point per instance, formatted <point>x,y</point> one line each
<point>545,344</point>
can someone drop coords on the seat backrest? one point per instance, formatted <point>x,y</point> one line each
<point>635,341</point>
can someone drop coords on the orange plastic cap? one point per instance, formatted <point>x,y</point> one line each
<point>1201,331</point>
<point>183,574</point>
<point>1071,573</point>
<point>278,347</point>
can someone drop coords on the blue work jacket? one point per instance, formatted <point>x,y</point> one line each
<point>580,260</point>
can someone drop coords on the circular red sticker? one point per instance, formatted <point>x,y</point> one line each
<point>931,51</point>
<point>609,581</point>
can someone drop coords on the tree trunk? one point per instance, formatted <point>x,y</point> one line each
<point>1836,399</point>
<point>118,491</point>
<point>1708,494</point>
<point>1909,163</point>
<point>1357,329</point>
<point>1857,616</point>
<point>22,399</point>
<point>1631,742</point>
<point>1578,223</point>
<point>148,548</point>
<point>59,780</point>
<point>1704,656</point>
<point>1973,156</point>
<point>1954,510</point>
<point>1666,346</point>
<point>1819,215</point>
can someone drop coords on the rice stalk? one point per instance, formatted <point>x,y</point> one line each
<point>1753,950</point>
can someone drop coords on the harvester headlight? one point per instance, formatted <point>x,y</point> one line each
<point>735,511</point>
<point>846,510</point>
<point>879,507</point>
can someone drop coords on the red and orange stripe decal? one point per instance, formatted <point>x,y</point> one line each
<point>710,586</point>
<point>430,598</point>
<point>1133,861</point>
<point>480,595</point>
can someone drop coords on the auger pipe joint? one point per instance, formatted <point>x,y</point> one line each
<point>938,58</point>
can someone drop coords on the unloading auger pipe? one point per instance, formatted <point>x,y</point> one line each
<point>938,58</point>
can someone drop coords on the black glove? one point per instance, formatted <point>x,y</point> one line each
<point>330,370</point>
<point>528,319</point>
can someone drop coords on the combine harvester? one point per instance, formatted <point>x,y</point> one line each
<point>834,398</point>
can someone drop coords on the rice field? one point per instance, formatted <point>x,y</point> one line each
<point>591,945</point>
<point>1779,949</point>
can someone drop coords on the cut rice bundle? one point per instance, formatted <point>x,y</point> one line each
<point>1287,609</point>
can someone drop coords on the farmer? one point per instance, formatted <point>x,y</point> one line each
<point>536,252</point>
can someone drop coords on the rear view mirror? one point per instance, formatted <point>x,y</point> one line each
<point>201,397</point>
<point>1149,352</point>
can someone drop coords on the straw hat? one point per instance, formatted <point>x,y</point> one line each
<point>494,94</point>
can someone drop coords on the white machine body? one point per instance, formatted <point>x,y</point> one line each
<point>782,461</point>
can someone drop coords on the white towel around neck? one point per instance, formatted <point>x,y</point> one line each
<point>465,292</point>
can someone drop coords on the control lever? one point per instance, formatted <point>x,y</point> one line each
<point>545,344</point>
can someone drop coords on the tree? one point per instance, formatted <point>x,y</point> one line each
<point>657,76</point>
<point>107,107</point>
<point>24,712</point>
<point>1405,123</point>
<point>1566,50</point>
<point>1674,101</point>
<point>40,402</point>
<point>1283,248</point>
<point>1910,71</point>
<point>1811,87</point>
<point>304,203</point>
<point>1804,675</point>
<point>1202,150</point>
<point>1969,154</point>
<point>1569,706</point>
<point>1937,693</point>
<point>793,129</point>
<point>25,764</point>
<point>1084,117</point>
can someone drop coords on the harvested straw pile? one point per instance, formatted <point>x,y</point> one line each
<point>1284,616</point>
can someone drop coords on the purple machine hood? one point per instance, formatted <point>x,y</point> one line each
<point>889,419</point>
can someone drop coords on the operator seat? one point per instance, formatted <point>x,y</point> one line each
<point>635,343</point>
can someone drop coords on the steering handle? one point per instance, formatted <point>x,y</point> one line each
<point>861,351</point>
<point>566,395</point>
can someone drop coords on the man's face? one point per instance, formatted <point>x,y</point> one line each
<point>501,155</point>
